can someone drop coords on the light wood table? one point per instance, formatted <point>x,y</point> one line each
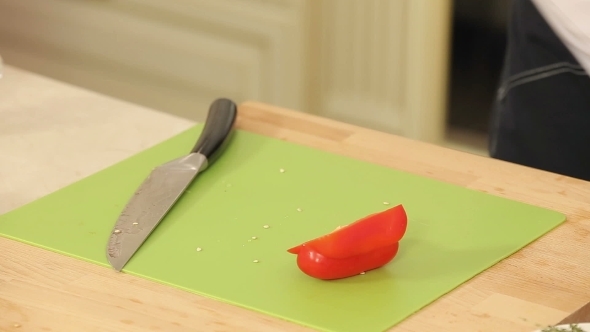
<point>52,134</point>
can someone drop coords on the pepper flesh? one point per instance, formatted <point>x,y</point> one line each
<point>366,244</point>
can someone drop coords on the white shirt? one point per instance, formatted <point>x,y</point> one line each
<point>570,20</point>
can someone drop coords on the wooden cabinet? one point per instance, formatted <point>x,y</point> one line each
<point>376,63</point>
<point>383,64</point>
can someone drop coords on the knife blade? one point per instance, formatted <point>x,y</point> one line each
<point>166,183</point>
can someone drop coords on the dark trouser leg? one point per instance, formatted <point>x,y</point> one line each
<point>541,118</point>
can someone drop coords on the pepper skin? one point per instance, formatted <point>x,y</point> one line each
<point>364,245</point>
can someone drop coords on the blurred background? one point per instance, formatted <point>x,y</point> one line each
<point>424,69</point>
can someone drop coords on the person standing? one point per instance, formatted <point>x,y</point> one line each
<point>541,115</point>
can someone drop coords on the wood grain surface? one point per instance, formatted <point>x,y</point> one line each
<point>580,315</point>
<point>52,134</point>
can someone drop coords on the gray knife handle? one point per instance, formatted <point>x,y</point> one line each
<point>218,126</point>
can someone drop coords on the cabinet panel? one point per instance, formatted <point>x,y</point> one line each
<point>199,49</point>
<point>375,63</point>
<point>383,64</point>
<point>362,61</point>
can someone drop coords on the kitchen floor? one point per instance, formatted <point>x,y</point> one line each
<point>467,141</point>
<point>477,57</point>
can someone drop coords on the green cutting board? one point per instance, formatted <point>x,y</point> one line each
<point>453,233</point>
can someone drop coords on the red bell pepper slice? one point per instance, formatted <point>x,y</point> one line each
<point>319,266</point>
<point>366,244</point>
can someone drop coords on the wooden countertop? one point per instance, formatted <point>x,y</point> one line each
<point>52,134</point>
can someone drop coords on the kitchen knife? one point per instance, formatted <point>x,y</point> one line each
<point>166,183</point>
